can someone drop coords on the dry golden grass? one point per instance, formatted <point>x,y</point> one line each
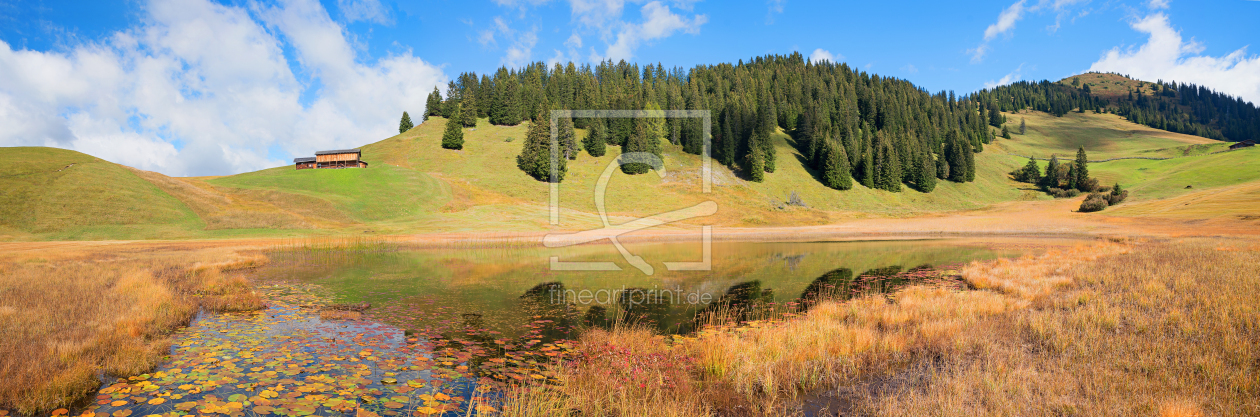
<point>1168,329</point>
<point>64,320</point>
<point>1171,329</point>
<point>1032,278</point>
<point>626,371</point>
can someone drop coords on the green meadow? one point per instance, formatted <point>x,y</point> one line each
<point>415,186</point>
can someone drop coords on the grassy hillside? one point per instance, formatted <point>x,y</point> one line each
<point>1104,136</point>
<point>485,173</point>
<point>64,194</point>
<point>415,186</point>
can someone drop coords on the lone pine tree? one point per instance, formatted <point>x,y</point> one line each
<point>1081,177</point>
<point>405,124</point>
<point>453,137</point>
<point>535,157</point>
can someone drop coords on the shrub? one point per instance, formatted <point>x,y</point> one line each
<point>1115,198</point>
<point>1088,185</point>
<point>1061,193</point>
<point>1095,202</point>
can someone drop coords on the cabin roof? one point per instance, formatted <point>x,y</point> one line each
<point>338,151</point>
<point>301,160</point>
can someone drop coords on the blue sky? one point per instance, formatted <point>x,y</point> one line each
<point>198,87</point>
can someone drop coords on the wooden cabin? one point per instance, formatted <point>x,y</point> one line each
<point>1243,144</point>
<point>304,163</point>
<point>342,158</point>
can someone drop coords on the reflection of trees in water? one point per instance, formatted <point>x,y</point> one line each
<point>840,284</point>
<point>548,311</point>
<point>743,301</point>
<point>829,285</point>
<point>555,317</point>
<point>596,316</point>
<point>643,307</point>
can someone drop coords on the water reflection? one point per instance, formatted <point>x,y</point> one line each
<point>448,329</point>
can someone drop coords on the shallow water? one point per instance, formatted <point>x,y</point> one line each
<point>448,329</point>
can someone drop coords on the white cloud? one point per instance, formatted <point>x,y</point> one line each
<point>820,55</point>
<point>597,14</point>
<point>776,7</point>
<point>604,18</point>
<point>520,52</point>
<point>1013,76</point>
<point>1004,25</point>
<point>1061,8</point>
<point>1006,21</point>
<point>658,22</point>
<point>1157,4</point>
<point>364,11</point>
<point>1167,56</point>
<point>198,88</point>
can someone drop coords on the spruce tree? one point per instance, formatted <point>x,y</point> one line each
<point>433,106</point>
<point>1006,133</point>
<point>755,164</point>
<point>535,158</point>
<point>468,111</point>
<point>452,100</point>
<point>567,139</point>
<point>887,165</point>
<point>942,168</point>
<point>1071,177</point>
<point>453,137</point>
<point>868,157</point>
<point>956,150</point>
<point>1023,128</point>
<point>925,179</point>
<point>836,166</point>
<point>642,140</point>
<point>764,128</point>
<point>405,124</point>
<point>1081,176</point>
<point>1051,177</point>
<point>971,161</point>
<point>1030,173</point>
<point>868,168</point>
<point>594,142</point>
<point>768,148</point>
<point>654,124</point>
<point>727,143</point>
